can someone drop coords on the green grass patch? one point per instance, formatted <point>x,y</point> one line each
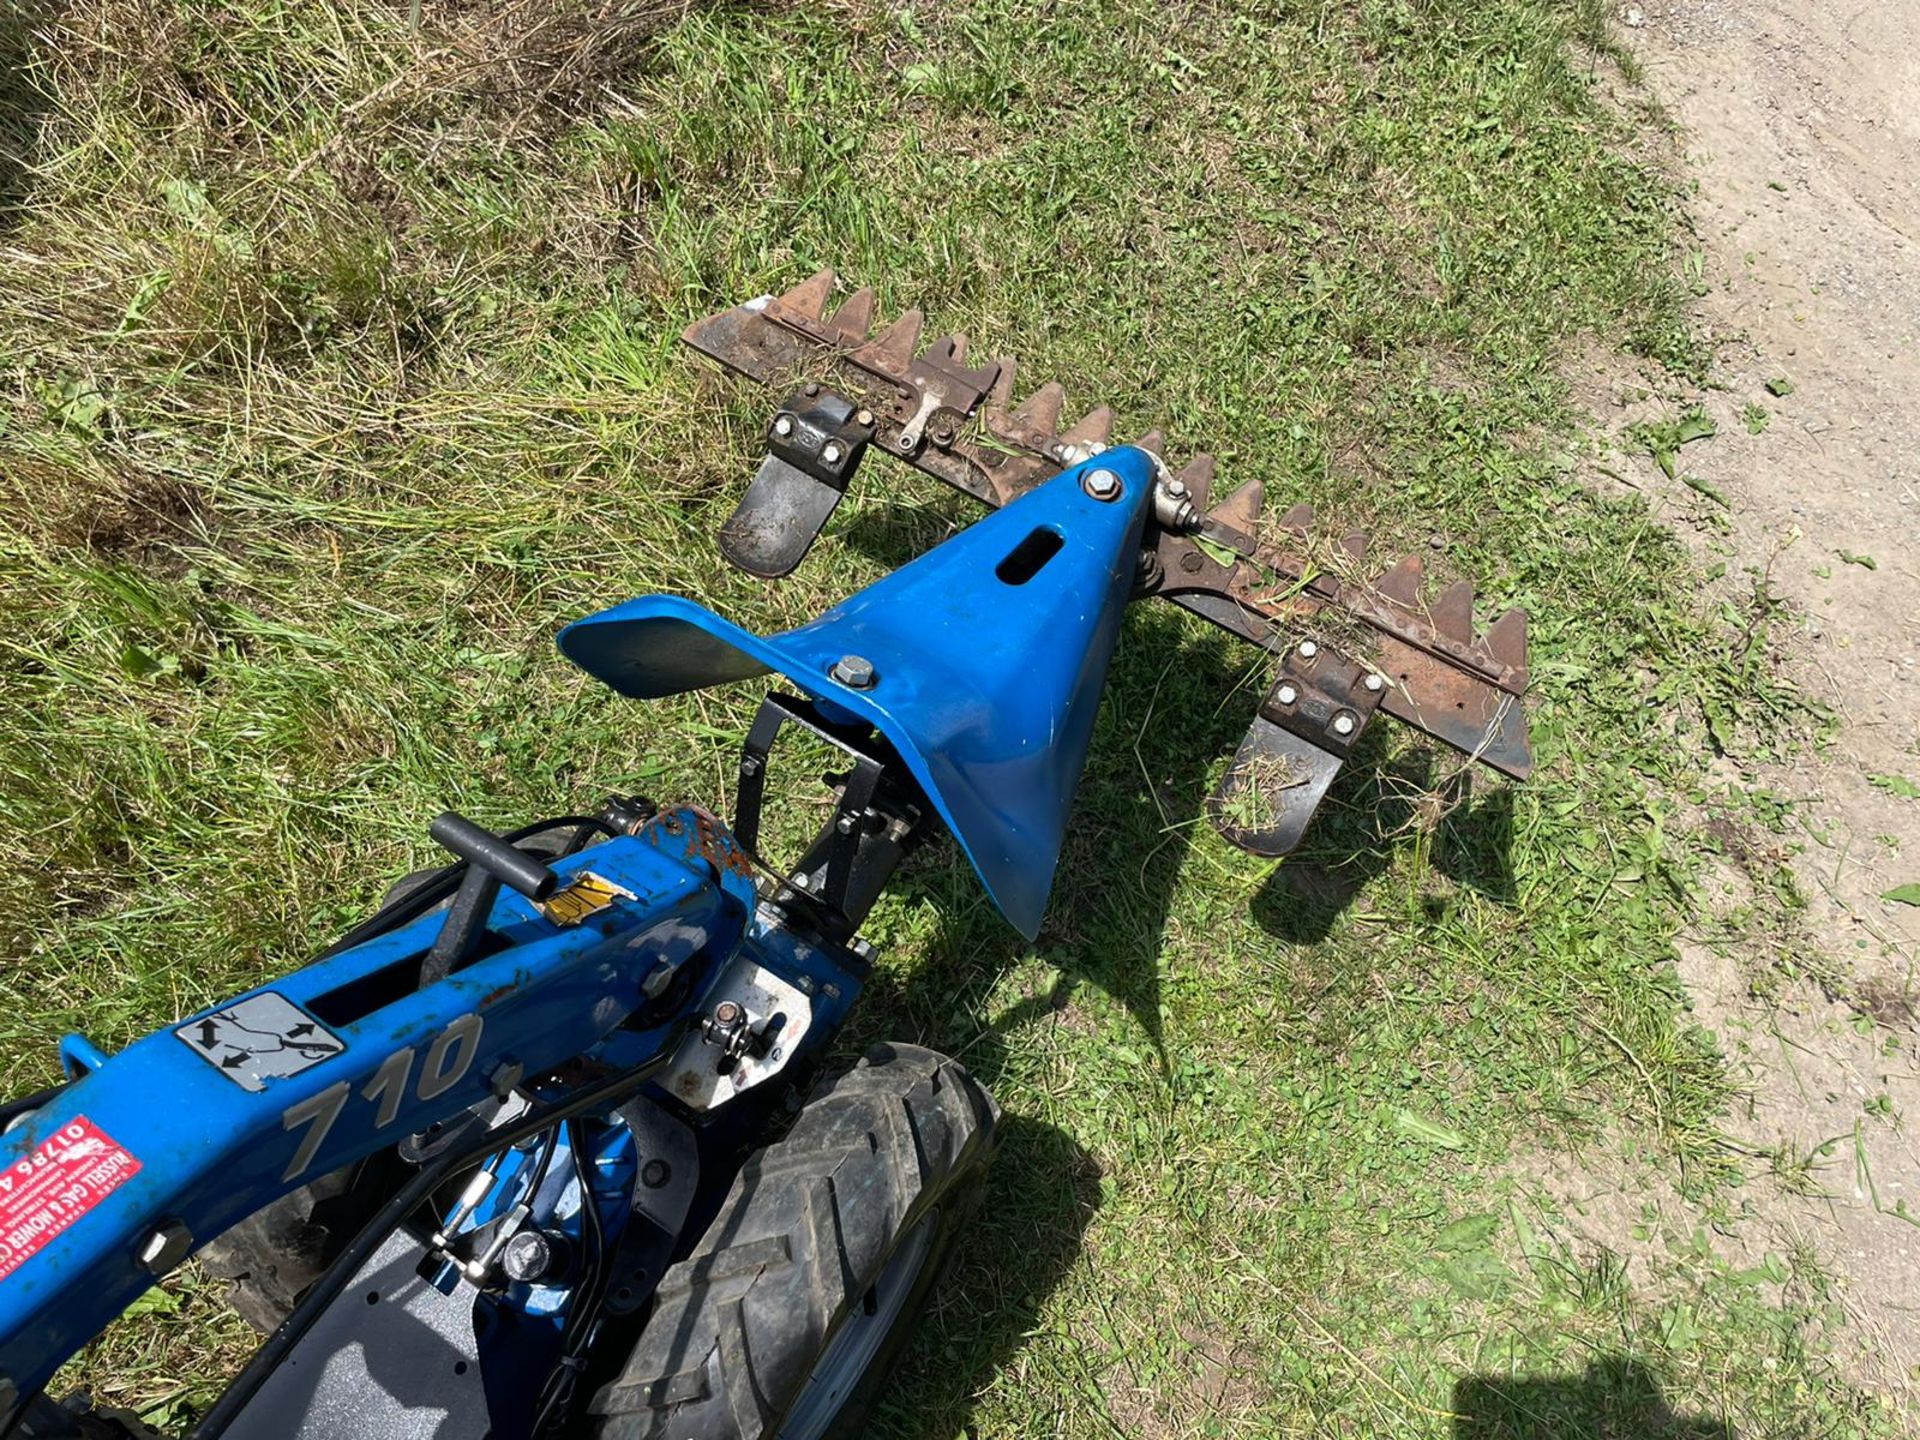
<point>339,372</point>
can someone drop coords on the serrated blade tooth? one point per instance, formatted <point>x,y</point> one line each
<point>1241,510</point>
<point>1042,409</point>
<point>809,297</point>
<point>1092,428</point>
<point>892,350</point>
<point>982,378</point>
<point>1299,519</point>
<point>1197,476</point>
<point>947,350</point>
<point>1154,442</point>
<point>1402,583</point>
<point>1453,612</point>
<point>1356,543</point>
<point>853,321</point>
<point>1001,396</point>
<point>1507,639</point>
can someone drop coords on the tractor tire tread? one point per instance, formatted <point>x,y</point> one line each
<point>806,1227</point>
<point>273,1256</point>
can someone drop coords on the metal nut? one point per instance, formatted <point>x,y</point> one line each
<point>863,416</point>
<point>1375,681</point>
<point>830,452</point>
<point>1286,695</point>
<point>1308,649</point>
<point>1344,724</point>
<point>783,425</point>
<point>854,671</point>
<point>165,1246</point>
<point>1101,484</point>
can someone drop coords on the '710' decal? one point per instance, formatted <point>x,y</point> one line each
<point>448,1059</point>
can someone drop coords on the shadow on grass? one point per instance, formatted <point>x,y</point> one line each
<point>1163,729</point>
<point>1374,811</point>
<point>1043,1191</point>
<point>1617,1396</point>
<point>1169,718</point>
<point>22,101</point>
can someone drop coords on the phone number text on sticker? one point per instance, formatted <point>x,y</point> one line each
<point>41,1194</point>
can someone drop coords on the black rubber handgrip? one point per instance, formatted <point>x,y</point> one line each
<point>490,853</point>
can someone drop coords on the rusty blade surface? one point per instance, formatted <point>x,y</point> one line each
<point>963,425</point>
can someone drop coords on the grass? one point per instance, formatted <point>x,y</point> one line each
<point>339,371</point>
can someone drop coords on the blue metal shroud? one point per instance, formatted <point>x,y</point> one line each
<point>989,655</point>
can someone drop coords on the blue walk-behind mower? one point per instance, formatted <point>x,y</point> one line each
<point>542,1147</point>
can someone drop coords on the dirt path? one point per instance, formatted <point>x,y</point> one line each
<point>1801,124</point>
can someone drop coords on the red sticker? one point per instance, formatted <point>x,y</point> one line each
<point>41,1194</point>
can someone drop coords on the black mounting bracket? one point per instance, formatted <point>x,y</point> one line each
<point>814,445</point>
<point>1307,726</point>
<point>879,814</point>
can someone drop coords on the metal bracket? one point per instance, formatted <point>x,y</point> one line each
<point>704,1077</point>
<point>814,445</point>
<point>664,1186</point>
<point>878,815</point>
<point>1306,728</point>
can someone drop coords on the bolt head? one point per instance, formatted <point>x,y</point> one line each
<point>655,1173</point>
<point>505,1078</point>
<point>165,1246</point>
<point>1375,681</point>
<point>1177,489</point>
<point>1101,484</point>
<point>830,452</point>
<point>854,671</point>
<point>844,824</point>
<point>863,416</point>
<point>727,1012</point>
<point>783,425</point>
<point>1343,724</point>
<point>1287,695</point>
<point>1308,649</point>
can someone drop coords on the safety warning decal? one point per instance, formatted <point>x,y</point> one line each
<point>41,1194</point>
<point>261,1038</point>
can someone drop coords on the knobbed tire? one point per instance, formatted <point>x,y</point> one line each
<point>273,1255</point>
<point>828,1245</point>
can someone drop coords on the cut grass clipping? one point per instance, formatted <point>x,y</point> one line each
<point>340,372</point>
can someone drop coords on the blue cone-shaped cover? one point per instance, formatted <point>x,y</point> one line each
<point>989,655</point>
